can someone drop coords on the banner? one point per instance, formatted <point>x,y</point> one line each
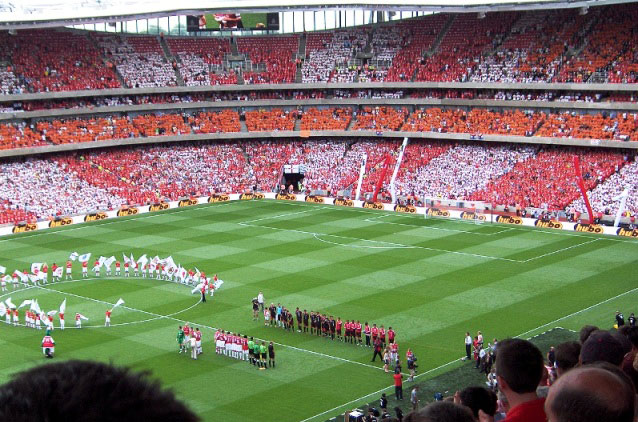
<point>435,212</point>
<point>548,224</point>
<point>3,269</point>
<point>627,233</point>
<point>506,219</point>
<point>158,207</point>
<point>60,221</point>
<point>187,202</point>
<point>342,202</point>
<point>588,228</point>
<point>467,215</point>
<point>74,256</point>
<point>96,216</point>
<point>405,208</point>
<point>63,306</point>
<point>218,198</point>
<point>24,227</point>
<point>373,205</point>
<point>249,196</point>
<point>314,199</point>
<point>127,211</point>
<point>286,196</point>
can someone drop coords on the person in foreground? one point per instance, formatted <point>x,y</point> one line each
<point>572,397</point>
<point>519,368</point>
<point>88,391</point>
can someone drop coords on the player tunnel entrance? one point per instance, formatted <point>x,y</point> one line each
<point>293,175</point>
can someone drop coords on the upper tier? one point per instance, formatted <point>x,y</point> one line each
<point>538,47</point>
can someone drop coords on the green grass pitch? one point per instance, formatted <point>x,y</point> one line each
<point>432,280</point>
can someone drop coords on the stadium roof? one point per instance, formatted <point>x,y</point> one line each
<point>16,14</point>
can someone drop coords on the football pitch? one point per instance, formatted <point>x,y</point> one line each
<point>430,279</point>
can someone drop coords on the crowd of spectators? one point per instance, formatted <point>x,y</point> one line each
<point>536,46</point>
<point>380,118</point>
<point>459,171</point>
<point>139,60</point>
<point>44,188</point>
<point>476,121</point>
<point>610,126</point>
<point>326,118</point>
<point>328,54</point>
<point>52,60</point>
<point>19,135</point>
<point>603,196</point>
<point>273,53</point>
<point>546,180</point>
<point>270,120</point>
<point>215,122</point>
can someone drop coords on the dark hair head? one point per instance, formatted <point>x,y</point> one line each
<point>632,335</point>
<point>573,399</point>
<point>601,346</point>
<point>567,355</point>
<point>479,398</point>
<point>585,332</point>
<point>83,390</point>
<point>520,364</point>
<point>441,411</point>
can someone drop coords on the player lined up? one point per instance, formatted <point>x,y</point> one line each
<point>241,347</point>
<point>316,323</point>
<point>189,340</point>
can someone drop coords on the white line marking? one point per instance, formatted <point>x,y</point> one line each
<point>398,245</point>
<point>579,312</point>
<point>316,236</point>
<point>375,220</point>
<point>459,359</point>
<point>561,250</point>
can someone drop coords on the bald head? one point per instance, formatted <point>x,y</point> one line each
<point>591,394</point>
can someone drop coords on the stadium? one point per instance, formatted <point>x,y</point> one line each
<point>313,177</point>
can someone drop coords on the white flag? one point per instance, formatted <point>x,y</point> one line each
<point>3,309</point>
<point>35,267</point>
<point>51,313</point>
<point>58,272</point>
<point>63,306</point>
<point>85,257</point>
<point>198,288</point>
<point>35,307</point>
<point>34,278</point>
<point>7,278</point>
<point>10,304</point>
<point>132,259</point>
<point>101,260</point>
<point>3,269</point>
<point>82,317</point>
<point>119,302</point>
<point>109,261</point>
<point>25,303</point>
<point>218,283</point>
<point>126,259</point>
<point>74,256</point>
<point>142,260</point>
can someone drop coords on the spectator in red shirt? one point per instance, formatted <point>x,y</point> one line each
<point>519,370</point>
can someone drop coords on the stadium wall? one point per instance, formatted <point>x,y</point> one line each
<point>433,212</point>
